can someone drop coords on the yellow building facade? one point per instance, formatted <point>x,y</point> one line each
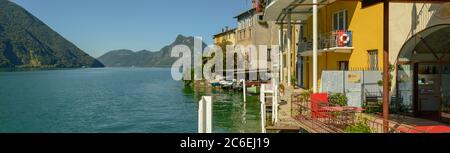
<point>226,37</point>
<point>365,32</point>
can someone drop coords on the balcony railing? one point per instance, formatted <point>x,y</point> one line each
<point>335,39</point>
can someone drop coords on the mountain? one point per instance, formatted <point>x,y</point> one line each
<point>145,58</point>
<point>25,41</point>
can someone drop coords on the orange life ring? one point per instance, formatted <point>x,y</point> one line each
<point>344,38</point>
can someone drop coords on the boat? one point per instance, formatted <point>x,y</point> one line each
<point>253,83</point>
<point>215,83</point>
<point>227,84</point>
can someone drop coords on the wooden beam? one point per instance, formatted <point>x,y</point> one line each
<point>386,72</point>
<point>367,3</point>
<point>419,1</point>
<point>300,4</point>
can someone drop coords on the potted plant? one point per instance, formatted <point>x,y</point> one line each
<point>294,81</point>
<point>391,77</point>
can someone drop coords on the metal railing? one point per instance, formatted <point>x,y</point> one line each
<point>329,118</point>
<point>333,39</point>
<point>326,118</point>
<point>355,68</point>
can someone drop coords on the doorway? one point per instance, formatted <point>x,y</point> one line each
<point>429,93</point>
<point>425,89</point>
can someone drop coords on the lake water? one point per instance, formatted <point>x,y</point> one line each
<point>110,100</point>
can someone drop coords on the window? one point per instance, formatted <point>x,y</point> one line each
<point>240,34</point>
<point>343,65</point>
<point>373,59</point>
<point>340,20</point>
<point>239,25</point>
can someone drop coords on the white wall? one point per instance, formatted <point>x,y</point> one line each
<point>408,19</point>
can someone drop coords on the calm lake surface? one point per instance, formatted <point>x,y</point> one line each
<point>123,100</point>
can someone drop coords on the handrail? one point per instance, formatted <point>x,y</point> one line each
<point>329,40</point>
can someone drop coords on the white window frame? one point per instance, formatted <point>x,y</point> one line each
<point>338,24</point>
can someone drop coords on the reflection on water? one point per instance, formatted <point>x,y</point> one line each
<point>113,100</point>
<point>230,113</point>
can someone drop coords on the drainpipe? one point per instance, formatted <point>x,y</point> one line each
<point>315,46</point>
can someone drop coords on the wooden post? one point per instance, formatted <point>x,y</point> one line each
<point>315,46</point>
<point>288,53</point>
<point>263,117</point>
<point>262,99</point>
<point>205,115</point>
<point>386,72</point>
<point>244,88</point>
<point>275,99</point>
<point>280,43</point>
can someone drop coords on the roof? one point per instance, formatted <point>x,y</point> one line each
<point>250,11</point>
<point>225,32</point>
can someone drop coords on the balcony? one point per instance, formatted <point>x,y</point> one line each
<point>339,41</point>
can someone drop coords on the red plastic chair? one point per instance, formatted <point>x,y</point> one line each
<point>318,100</point>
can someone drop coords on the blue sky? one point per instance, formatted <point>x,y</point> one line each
<point>98,26</point>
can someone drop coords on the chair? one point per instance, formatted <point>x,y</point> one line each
<point>372,103</point>
<point>318,100</point>
<point>397,107</point>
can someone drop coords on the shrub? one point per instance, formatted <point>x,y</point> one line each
<point>360,127</point>
<point>338,99</point>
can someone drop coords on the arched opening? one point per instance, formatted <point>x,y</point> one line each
<point>423,74</point>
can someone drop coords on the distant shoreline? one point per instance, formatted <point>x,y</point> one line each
<point>33,69</point>
<point>54,69</point>
<point>138,67</point>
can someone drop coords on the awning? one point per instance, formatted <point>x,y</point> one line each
<point>407,51</point>
<point>300,9</point>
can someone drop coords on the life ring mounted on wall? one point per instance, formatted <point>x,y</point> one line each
<point>344,39</point>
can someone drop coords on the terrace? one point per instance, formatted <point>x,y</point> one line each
<point>318,115</point>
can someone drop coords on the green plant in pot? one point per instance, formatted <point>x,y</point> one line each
<point>391,77</point>
<point>294,80</point>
